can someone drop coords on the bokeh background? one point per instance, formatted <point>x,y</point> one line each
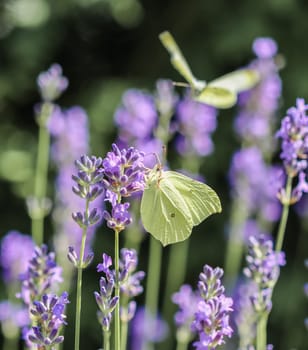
<point>108,46</point>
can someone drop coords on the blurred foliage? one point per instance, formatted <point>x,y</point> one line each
<point>107,46</point>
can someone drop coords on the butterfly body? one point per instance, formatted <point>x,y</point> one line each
<point>173,203</point>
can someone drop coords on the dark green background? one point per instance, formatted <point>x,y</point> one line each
<point>107,46</point>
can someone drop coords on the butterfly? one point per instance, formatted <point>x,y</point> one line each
<point>221,92</point>
<point>172,203</point>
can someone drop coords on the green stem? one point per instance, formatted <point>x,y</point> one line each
<point>153,279</point>
<point>284,216</point>
<point>124,332</point>
<point>181,346</point>
<point>117,334</point>
<point>175,277</point>
<point>106,340</point>
<point>79,284</point>
<point>40,182</point>
<point>234,250</point>
<point>261,332</point>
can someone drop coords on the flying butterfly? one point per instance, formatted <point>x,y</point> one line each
<point>221,92</point>
<point>173,203</point>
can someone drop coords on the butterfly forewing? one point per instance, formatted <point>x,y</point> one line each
<point>200,200</point>
<point>237,81</point>
<point>161,218</point>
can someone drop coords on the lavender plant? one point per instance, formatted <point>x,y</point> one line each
<point>171,204</point>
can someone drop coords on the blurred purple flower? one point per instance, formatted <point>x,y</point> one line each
<point>263,267</point>
<point>187,301</point>
<point>165,97</point>
<point>247,176</point>
<point>16,251</point>
<point>145,328</point>
<point>195,123</point>
<point>245,316</point>
<point>42,275</point>
<point>70,140</point>
<point>137,117</point>
<point>14,314</point>
<point>52,83</point>
<point>258,106</point>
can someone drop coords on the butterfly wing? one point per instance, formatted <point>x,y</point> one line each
<point>200,200</point>
<point>161,218</point>
<point>178,60</point>
<point>217,97</point>
<point>237,81</point>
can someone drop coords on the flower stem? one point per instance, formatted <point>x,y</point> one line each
<point>106,340</point>
<point>40,182</point>
<point>124,332</point>
<point>152,285</point>
<point>261,332</point>
<point>79,284</point>
<point>284,216</point>
<point>117,334</point>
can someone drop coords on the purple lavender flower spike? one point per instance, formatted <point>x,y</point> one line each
<point>165,97</point>
<point>124,172</point>
<point>119,217</point>
<point>136,118</point>
<point>65,149</point>
<point>212,316</point>
<point>263,267</point>
<point>258,107</point>
<point>50,318</point>
<point>52,83</point>
<point>294,135</point>
<point>16,251</point>
<point>146,328</point>
<point>195,123</point>
<point>42,276</point>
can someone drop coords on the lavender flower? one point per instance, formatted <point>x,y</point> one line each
<point>13,316</point>
<point>124,172</point>
<point>129,282</point>
<point>245,316</point>
<point>16,250</point>
<point>293,133</point>
<point>165,98</point>
<point>263,268</point>
<point>105,301</point>
<point>88,186</point>
<point>119,217</point>
<point>212,315</point>
<point>49,317</point>
<point>195,123</point>
<point>258,107</point>
<point>187,301</point>
<point>136,118</point>
<point>52,83</point>
<point>65,149</point>
<point>145,328</point>
<point>247,173</point>
<point>41,277</point>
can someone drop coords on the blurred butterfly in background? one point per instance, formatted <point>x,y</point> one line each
<point>221,92</point>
